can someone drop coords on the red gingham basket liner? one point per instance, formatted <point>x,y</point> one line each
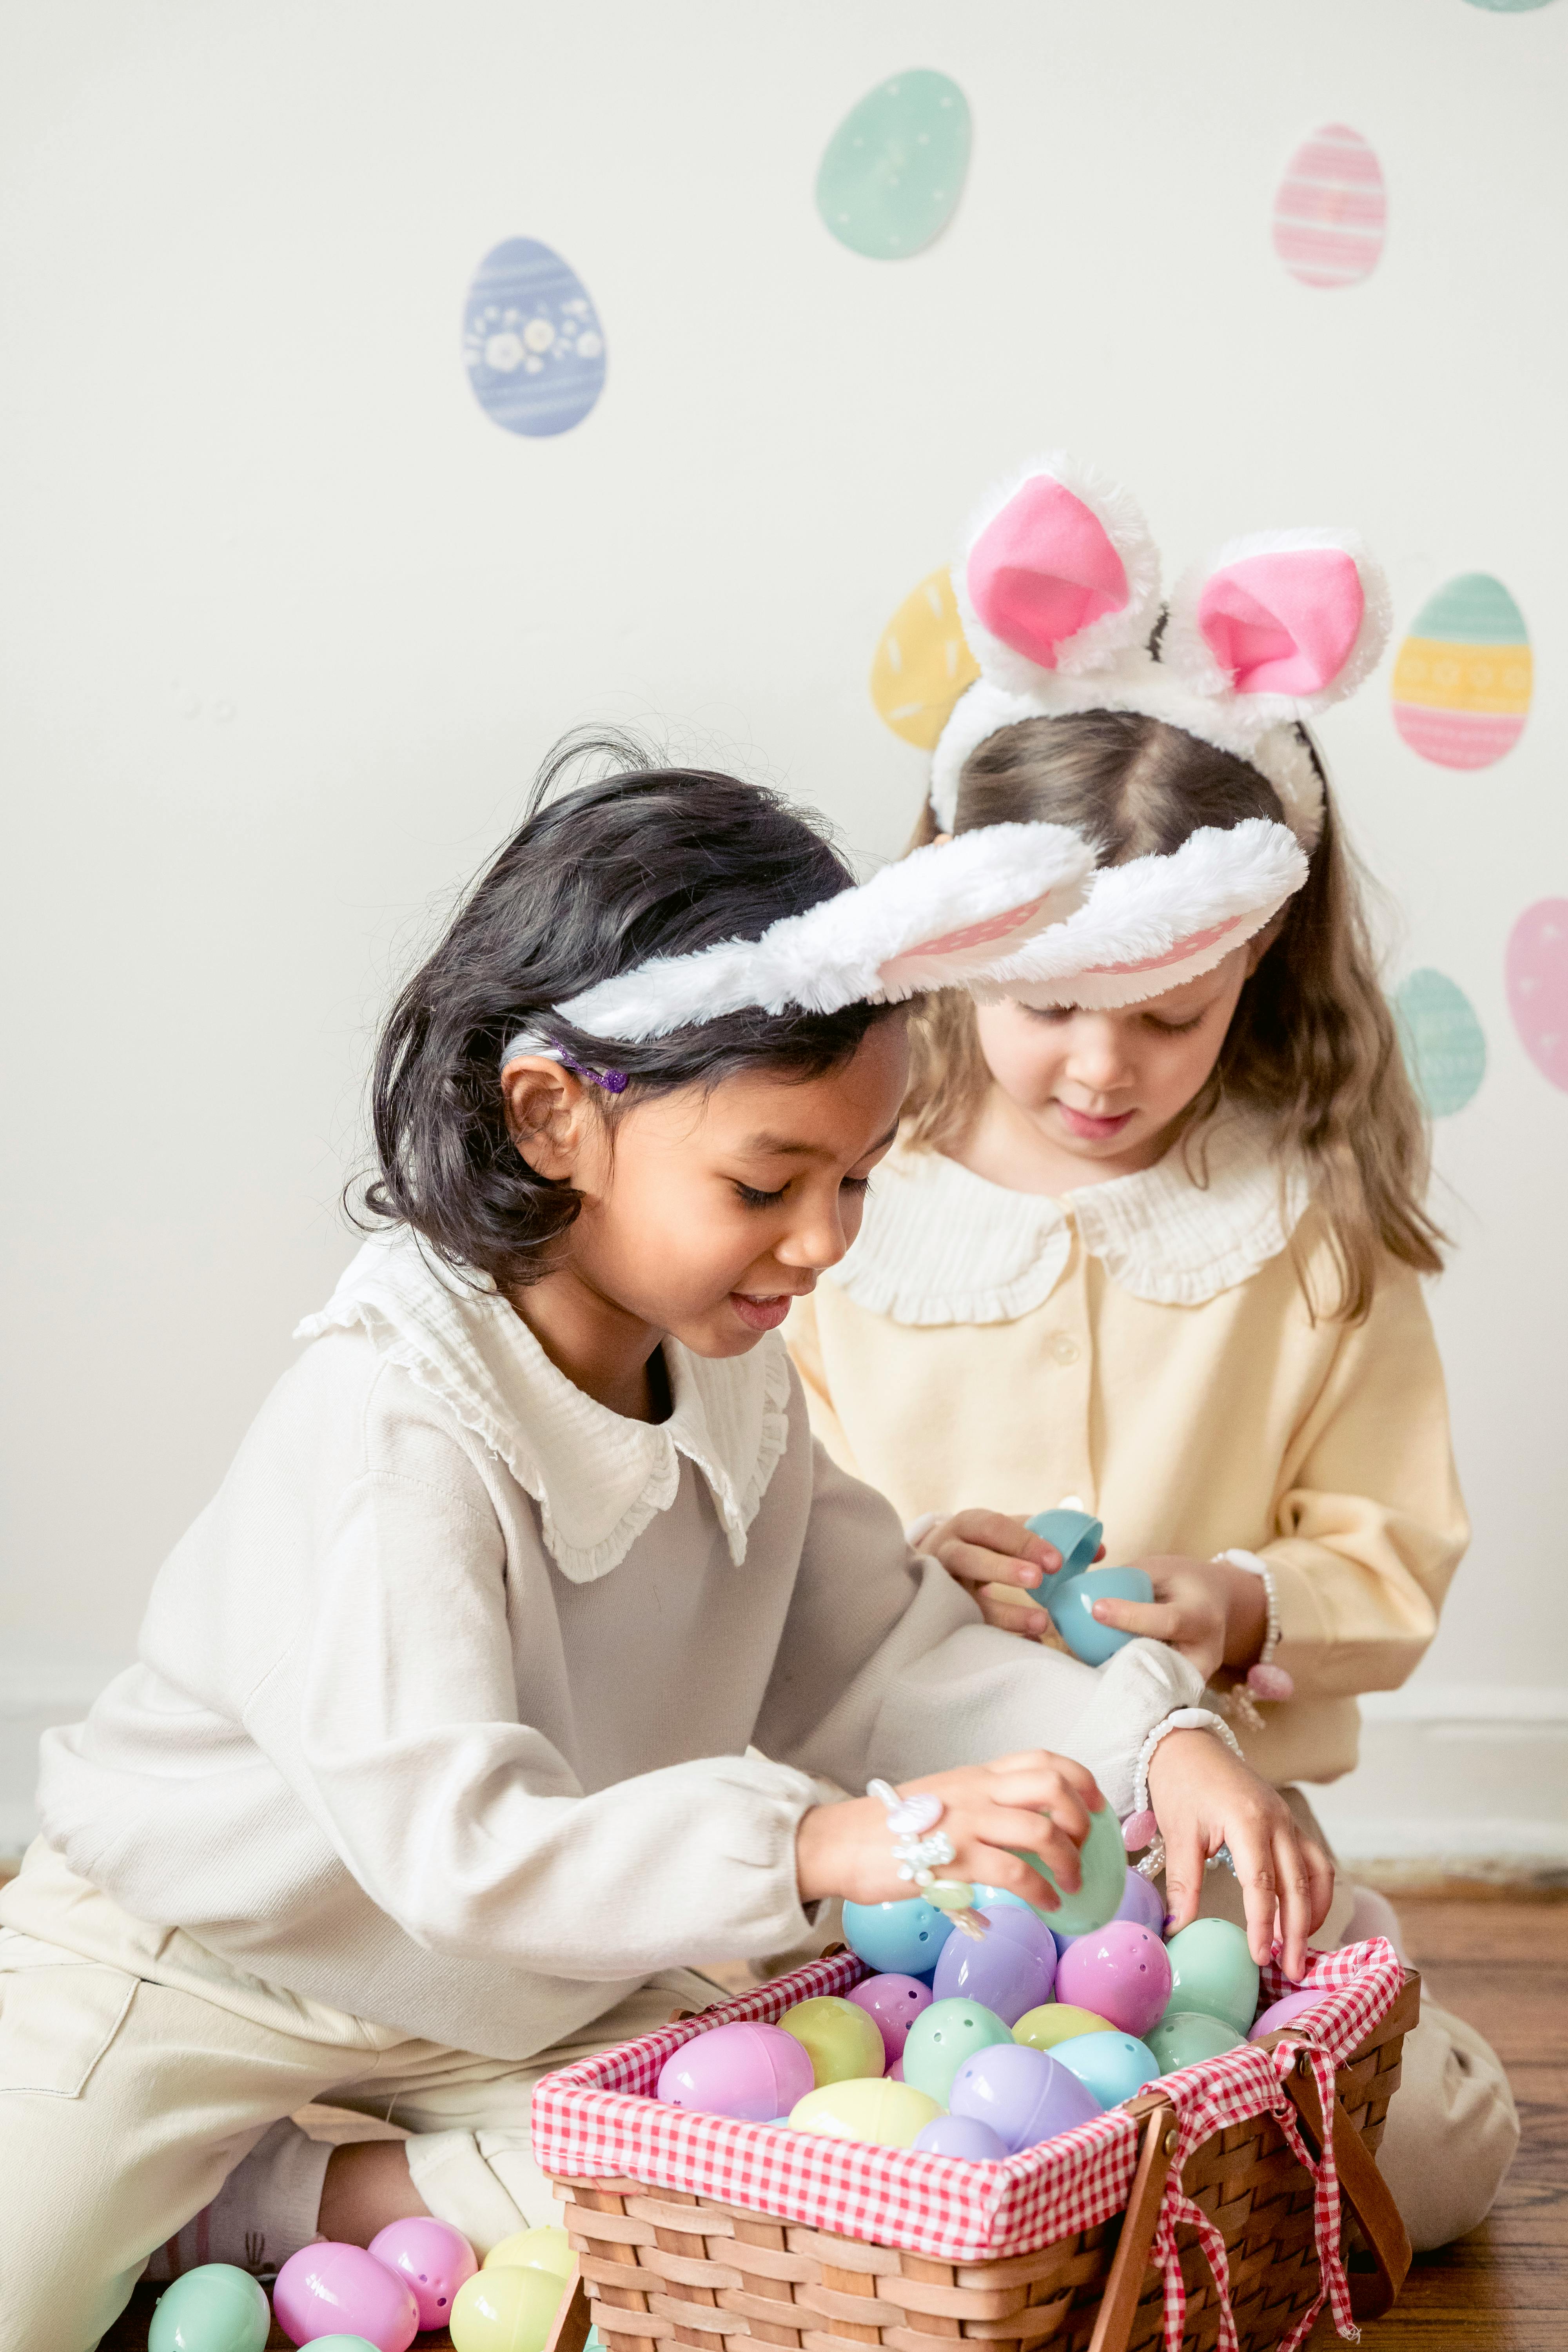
<point>599,2119</point>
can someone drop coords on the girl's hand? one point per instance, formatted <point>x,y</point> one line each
<point>981,1549</point>
<point>1215,1614</point>
<point>1036,1801</point>
<point>1204,1798</point>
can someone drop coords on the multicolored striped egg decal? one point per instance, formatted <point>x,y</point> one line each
<point>893,172</point>
<point>1331,210</point>
<point>1536,971</point>
<point>923,662</point>
<point>1462,682</point>
<point>533,343</point>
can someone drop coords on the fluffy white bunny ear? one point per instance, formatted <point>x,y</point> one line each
<point>1150,925</point>
<point>1058,574</point>
<point>938,919</point>
<point>1282,624</point>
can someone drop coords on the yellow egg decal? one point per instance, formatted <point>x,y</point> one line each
<point>1463,679</point>
<point>923,662</point>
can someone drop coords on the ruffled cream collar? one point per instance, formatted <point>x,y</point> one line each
<point>598,1478</point>
<point>941,1246</point>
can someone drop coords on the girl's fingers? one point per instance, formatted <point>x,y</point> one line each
<point>974,1563</point>
<point>1066,1768</point>
<point>1010,1617</point>
<point>1252,1851</point>
<point>997,1531</point>
<point>1030,1832</point>
<point>1295,1891</point>
<point>994,1866</point>
<point>1321,1871</point>
<point>1049,1797</point>
<point>1185,1859</point>
<point>1162,1621</point>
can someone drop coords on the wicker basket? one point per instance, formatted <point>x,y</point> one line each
<point>657,2264</point>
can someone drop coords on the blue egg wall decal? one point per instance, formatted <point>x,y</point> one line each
<point>1445,1050</point>
<point>533,343</point>
<point>893,171</point>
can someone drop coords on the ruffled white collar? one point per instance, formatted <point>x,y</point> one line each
<point>598,1478</point>
<point>941,1246</point>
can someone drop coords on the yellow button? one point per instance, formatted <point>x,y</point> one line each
<point>1065,1347</point>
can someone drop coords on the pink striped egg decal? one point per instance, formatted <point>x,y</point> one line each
<point>1331,210</point>
<point>1536,970</point>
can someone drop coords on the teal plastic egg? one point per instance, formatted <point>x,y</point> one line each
<point>342,2344</point>
<point>1102,1860</point>
<point>1184,2036</point>
<point>218,2308</point>
<point>1114,2066</point>
<point>942,2037</point>
<point>883,2114</point>
<point>893,171</point>
<point>1074,1534</point>
<point>1069,1604</point>
<point>1212,1970</point>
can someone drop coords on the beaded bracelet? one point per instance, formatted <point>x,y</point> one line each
<point>1141,1828</point>
<point>922,1849</point>
<point>1263,1678</point>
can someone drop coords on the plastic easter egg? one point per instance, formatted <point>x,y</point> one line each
<point>1102,1868</point>
<point>840,2039</point>
<point>342,2344</point>
<point>991,1898</point>
<point>1445,1050</point>
<point>1212,1969</point>
<point>962,2135</point>
<point>1283,2012</point>
<point>1022,2093</point>
<point>332,2286</point>
<point>1141,1901</point>
<point>1463,677</point>
<point>893,2002</point>
<point>1012,1968</point>
<point>1114,2066</point>
<point>1120,1971</point>
<point>897,1939</point>
<point>511,2309</point>
<point>1059,2020</point>
<point>545,2249</point>
<point>882,2114</point>
<point>1185,2037</point>
<point>923,662</point>
<point>1332,209</point>
<point>893,171</point>
<point>533,343</point>
<point>750,2071</point>
<point>1537,973</point>
<point>1075,1535</point>
<point>1069,1604</point>
<point>431,2259</point>
<point>942,2038</point>
<point>218,2308</point>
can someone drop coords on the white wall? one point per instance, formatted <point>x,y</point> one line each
<point>242,473</point>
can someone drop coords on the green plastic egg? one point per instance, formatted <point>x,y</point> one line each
<point>342,2344</point>
<point>887,2114</point>
<point>1212,1970</point>
<point>942,2037</point>
<point>1057,2021</point>
<point>214,2309</point>
<point>842,2041</point>
<point>1184,2036</point>
<point>1102,1860</point>
<point>511,2309</point>
<point>546,2249</point>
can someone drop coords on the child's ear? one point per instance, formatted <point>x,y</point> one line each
<point>547,1114</point>
<point>1259,945</point>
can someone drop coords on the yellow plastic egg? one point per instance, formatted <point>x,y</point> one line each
<point>887,2114</point>
<point>510,2309</point>
<point>1057,2021</point>
<point>842,2041</point>
<point>548,2249</point>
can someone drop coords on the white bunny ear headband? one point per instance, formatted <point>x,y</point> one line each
<point>942,917</point>
<point>1059,592</point>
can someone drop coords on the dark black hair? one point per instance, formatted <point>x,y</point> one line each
<point>639,861</point>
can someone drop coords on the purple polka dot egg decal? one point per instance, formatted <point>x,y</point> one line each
<point>533,343</point>
<point>1536,970</point>
<point>1331,213</point>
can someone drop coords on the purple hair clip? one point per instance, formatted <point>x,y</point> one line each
<point>613,1081</point>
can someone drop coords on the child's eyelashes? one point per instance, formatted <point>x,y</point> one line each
<point>754,1198</point>
<point>1175,1028</point>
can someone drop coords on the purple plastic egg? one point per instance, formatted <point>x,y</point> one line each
<point>752,2072</point>
<point>431,2258</point>
<point>962,2135</point>
<point>1119,1971</point>
<point>1141,1901</point>
<point>1022,2093</point>
<point>894,2002</point>
<point>1283,2012</point>
<point>1011,1968</point>
<point>327,2290</point>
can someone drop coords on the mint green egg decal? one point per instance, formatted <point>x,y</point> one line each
<point>1444,1048</point>
<point>1509,8</point>
<point>894,169</point>
<point>1473,610</point>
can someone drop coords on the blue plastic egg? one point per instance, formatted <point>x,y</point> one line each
<point>897,1939</point>
<point>1074,1534</point>
<point>1069,1604</point>
<point>1114,2066</point>
<point>533,343</point>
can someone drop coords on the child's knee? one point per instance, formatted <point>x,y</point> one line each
<point>1452,2133</point>
<point>486,2184</point>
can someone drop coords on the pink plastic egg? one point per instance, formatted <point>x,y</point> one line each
<point>1121,1972</point>
<point>1283,2012</point>
<point>894,2002</point>
<point>329,2289</point>
<point>431,2258</point>
<point>752,2072</point>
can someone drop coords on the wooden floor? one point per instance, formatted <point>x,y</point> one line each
<point>1504,1965</point>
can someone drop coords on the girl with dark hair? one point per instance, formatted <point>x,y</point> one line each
<point>529,1646</point>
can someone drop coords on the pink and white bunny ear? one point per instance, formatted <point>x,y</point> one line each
<point>1058,574</point>
<point>1279,624</point>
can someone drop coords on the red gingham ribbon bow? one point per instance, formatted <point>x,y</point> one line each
<point>1331,2279</point>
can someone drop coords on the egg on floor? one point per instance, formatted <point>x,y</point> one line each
<point>218,2308</point>
<point>533,343</point>
<point>1444,1047</point>
<point>1536,969</point>
<point>1464,677</point>
<point>1331,213</point>
<point>923,662</point>
<point>893,172</point>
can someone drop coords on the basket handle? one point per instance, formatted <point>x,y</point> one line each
<point>1365,2192</point>
<point>1118,2304</point>
<point>570,2332</point>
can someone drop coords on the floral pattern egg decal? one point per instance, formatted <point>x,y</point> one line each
<point>533,343</point>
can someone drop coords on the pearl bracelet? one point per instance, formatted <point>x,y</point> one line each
<point>1141,1827</point>
<point>1263,1678</point>
<point>922,1849</point>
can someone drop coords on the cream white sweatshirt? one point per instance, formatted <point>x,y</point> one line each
<point>467,1704</point>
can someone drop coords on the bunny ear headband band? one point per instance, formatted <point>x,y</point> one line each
<point>1059,593</point>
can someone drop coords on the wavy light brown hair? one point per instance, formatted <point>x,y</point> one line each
<point>1312,1042</point>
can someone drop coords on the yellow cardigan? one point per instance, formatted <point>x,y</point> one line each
<point>1145,1346</point>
